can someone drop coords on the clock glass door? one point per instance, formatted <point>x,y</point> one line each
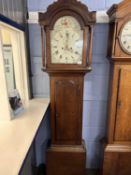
<point>66,41</point>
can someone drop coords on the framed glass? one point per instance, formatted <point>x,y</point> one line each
<point>66,41</point>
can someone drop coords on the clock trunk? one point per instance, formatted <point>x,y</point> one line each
<point>66,108</point>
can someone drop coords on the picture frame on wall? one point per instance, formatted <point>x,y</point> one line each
<point>15,102</point>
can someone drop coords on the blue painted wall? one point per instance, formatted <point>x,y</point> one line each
<point>35,5</point>
<point>96,82</point>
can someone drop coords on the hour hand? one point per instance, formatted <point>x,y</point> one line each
<point>70,49</point>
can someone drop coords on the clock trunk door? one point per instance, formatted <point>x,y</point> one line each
<point>68,109</point>
<point>123,116</point>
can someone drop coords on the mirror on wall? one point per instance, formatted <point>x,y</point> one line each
<point>8,57</point>
<point>14,89</point>
<point>8,61</point>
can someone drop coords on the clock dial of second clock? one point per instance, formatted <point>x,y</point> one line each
<point>66,41</point>
<point>125,38</point>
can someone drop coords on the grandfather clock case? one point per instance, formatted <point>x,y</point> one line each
<point>67,30</point>
<point>117,155</point>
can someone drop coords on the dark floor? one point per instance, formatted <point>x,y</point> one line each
<point>93,172</point>
<point>41,171</point>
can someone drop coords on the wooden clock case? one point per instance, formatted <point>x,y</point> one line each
<point>67,154</point>
<point>117,155</point>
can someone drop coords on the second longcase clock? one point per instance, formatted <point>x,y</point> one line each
<point>67,53</point>
<point>117,156</point>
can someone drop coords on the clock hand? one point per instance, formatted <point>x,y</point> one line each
<point>127,35</point>
<point>67,41</point>
<point>74,52</point>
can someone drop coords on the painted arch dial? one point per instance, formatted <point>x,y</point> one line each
<point>125,37</point>
<point>66,41</point>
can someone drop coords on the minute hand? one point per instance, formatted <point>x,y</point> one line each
<point>67,41</point>
<point>127,35</point>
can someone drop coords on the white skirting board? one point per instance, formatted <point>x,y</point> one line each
<point>101,17</point>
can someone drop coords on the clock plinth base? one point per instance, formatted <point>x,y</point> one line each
<point>117,160</point>
<point>66,160</point>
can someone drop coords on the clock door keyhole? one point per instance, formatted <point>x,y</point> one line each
<point>119,103</point>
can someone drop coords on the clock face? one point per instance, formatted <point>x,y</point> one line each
<point>125,38</point>
<point>66,41</point>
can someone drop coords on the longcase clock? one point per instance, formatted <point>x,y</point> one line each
<point>67,30</point>
<point>117,156</point>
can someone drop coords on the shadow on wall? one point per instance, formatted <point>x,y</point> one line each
<point>95,99</point>
<point>42,140</point>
